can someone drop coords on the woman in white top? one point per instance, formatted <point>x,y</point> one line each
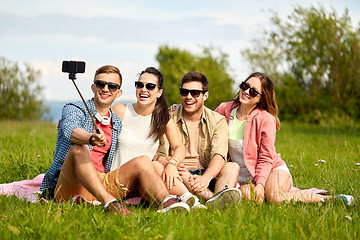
<point>143,124</point>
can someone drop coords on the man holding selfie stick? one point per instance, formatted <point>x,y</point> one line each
<point>83,158</point>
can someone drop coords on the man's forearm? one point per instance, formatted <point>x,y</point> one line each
<point>80,136</point>
<point>215,166</point>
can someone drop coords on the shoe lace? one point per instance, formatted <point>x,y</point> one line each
<point>178,198</point>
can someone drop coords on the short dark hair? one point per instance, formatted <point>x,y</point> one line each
<point>196,77</point>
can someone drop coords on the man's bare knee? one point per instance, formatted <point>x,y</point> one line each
<point>76,153</point>
<point>78,150</point>
<point>230,169</point>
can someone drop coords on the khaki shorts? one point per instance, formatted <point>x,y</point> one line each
<point>67,188</point>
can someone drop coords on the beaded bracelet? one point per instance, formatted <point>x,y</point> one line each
<point>176,159</point>
<point>171,162</point>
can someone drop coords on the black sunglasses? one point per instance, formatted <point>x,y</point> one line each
<point>149,86</point>
<point>252,92</point>
<point>111,86</point>
<point>195,93</point>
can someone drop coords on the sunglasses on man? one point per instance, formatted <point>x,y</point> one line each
<point>194,93</point>
<point>111,86</point>
<point>148,86</point>
<point>252,92</point>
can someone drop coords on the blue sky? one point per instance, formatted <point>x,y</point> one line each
<point>127,34</point>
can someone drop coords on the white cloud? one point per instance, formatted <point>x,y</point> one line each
<point>128,33</point>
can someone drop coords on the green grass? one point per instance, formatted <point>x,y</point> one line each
<point>27,150</point>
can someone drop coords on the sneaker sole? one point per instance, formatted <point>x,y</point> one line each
<point>190,200</point>
<point>227,197</point>
<point>177,208</point>
<point>199,206</point>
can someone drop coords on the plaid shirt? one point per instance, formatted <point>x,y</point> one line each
<point>75,115</point>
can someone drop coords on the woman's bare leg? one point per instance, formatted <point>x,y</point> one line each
<point>277,190</point>
<point>178,189</point>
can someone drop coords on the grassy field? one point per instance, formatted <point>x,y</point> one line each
<point>27,150</point>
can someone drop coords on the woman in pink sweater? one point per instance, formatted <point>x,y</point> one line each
<point>253,122</point>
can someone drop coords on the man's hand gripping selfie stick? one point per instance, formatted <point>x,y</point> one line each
<point>73,67</point>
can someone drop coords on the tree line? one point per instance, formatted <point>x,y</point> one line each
<point>313,57</point>
<point>20,92</point>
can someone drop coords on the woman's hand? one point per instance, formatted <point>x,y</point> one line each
<point>170,175</point>
<point>172,108</point>
<point>163,160</point>
<point>259,193</point>
<point>181,169</point>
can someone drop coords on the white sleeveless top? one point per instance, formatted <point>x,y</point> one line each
<point>133,140</point>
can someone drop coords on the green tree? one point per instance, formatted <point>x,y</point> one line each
<point>20,92</point>
<point>174,63</point>
<point>314,60</point>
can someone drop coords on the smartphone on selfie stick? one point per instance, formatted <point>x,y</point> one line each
<point>74,67</point>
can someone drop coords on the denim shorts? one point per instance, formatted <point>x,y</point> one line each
<point>201,172</point>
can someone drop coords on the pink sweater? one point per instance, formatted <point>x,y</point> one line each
<point>259,142</point>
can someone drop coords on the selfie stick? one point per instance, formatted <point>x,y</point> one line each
<point>72,76</point>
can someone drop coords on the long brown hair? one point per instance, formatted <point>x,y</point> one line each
<point>160,116</point>
<point>267,101</point>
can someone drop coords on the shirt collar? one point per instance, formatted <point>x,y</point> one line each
<point>180,115</point>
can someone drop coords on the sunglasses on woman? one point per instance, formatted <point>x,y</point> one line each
<point>252,92</point>
<point>111,86</point>
<point>149,86</point>
<point>195,93</point>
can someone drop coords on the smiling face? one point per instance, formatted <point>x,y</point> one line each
<point>104,97</point>
<point>144,95</point>
<point>244,96</point>
<point>192,105</point>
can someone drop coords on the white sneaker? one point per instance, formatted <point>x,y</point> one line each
<point>191,200</point>
<point>348,199</point>
<point>227,196</point>
<point>172,204</point>
<point>188,198</point>
<point>198,205</point>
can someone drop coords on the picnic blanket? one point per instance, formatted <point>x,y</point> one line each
<point>29,190</point>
